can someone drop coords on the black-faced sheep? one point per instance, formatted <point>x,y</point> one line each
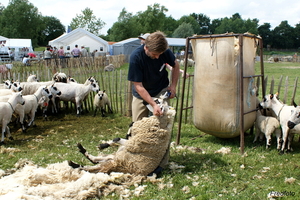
<point>101,101</point>
<point>142,153</point>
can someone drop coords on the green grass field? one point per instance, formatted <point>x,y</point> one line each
<point>206,174</point>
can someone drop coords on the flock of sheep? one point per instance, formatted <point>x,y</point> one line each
<point>33,94</point>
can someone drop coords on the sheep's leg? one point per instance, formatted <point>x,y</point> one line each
<point>268,140</point>
<point>109,109</point>
<point>93,159</point>
<point>278,136</point>
<point>95,111</point>
<point>257,133</point>
<point>21,116</point>
<point>116,140</point>
<point>92,169</point>
<point>103,112</point>
<point>32,116</point>
<point>290,140</point>
<point>285,133</point>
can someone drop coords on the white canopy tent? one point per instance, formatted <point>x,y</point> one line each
<point>80,37</point>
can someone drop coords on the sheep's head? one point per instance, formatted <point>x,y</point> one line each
<point>268,100</point>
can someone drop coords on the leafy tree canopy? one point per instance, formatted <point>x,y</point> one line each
<point>88,21</point>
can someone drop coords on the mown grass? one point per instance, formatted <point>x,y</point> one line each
<point>206,174</point>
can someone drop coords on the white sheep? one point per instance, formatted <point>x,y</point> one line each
<point>266,125</point>
<point>60,77</point>
<point>283,113</point>
<point>14,87</point>
<point>32,78</point>
<point>6,84</point>
<point>76,93</point>
<point>109,68</point>
<point>32,87</point>
<point>7,109</point>
<point>142,153</point>
<point>31,105</point>
<point>101,100</point>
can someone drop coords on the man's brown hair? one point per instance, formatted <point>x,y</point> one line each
<point>157,42</point>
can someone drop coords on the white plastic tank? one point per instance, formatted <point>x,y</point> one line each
<point>216,95</point>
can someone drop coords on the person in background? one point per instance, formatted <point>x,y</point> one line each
<point>83,52</point>
<point>26,60</point>
<point>61,52</point>
<point>47,56</point>
<point>75,52</point>
<point>11,54</point>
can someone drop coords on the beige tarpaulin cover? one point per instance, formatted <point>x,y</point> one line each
<point>216,98</point>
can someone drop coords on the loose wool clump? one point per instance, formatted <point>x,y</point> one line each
<point>60,181</point>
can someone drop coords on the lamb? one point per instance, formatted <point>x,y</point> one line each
<point>7,109</point>
<point>77,93</point>
<point>45,102</point>
<point>6,84</point>
<point>100,102</point>
<point>142,153</point>
<point>267,125</point>
<point>283,113</point>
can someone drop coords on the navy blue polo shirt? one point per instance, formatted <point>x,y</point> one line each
<point>151,72</point>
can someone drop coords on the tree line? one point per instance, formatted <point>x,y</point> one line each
<point>21,19</point>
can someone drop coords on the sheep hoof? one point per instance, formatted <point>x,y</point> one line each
<point>103,146</point>
<point>11,138</point>
<point>281,152</point>
<point>116,139</point>
<point>73,165</point>
<point>81,149</point>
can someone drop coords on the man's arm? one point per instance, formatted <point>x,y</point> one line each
<point>174,79</point>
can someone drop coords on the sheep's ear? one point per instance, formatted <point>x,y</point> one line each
<point>271,96</point>
<point>103,91</point>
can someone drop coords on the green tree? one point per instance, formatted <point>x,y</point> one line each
<point>88,21</point>
<point>236,24</point>
<point>53,29</point>
<point>204,23</point>
<point>192,21</point>
<point>169,25</point>
<point>184,30</point>
<point>124,28</point>
<point>267,35</point>
<point>297,34</point>
<point>284,36</point>
<point>20,19</point>
<point>153,18</point>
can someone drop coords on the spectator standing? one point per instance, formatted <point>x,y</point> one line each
<point>83,52</point>
<point>75,52</point>
<point>47,56</point>
<point>61,52</point>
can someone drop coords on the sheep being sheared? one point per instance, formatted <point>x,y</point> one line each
<point>142,153</point>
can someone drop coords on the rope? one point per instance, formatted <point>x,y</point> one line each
<point>250,92</point>
<point>11,107</point>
